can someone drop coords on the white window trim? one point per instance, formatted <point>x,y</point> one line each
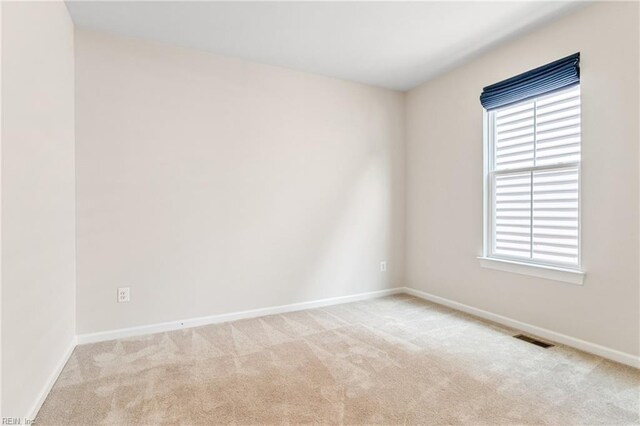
<point>571,276</point>
<point>536,269</point>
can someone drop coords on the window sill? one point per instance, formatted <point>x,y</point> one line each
<point>547,272</point>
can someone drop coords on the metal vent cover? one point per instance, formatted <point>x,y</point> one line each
<point>533,341</point>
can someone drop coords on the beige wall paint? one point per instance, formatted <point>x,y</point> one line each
<point>1,3</point>
<point>38,208</point>
<point>444,182</point>
<point>212,185</point>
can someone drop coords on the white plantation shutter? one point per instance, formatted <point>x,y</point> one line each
<point>555,216</point>
<point>558,128</point>
<point>514,136</point>
<point>512,215</point>
<point>534,179</point>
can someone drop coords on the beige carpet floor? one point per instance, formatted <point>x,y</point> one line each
<point>394,360</point>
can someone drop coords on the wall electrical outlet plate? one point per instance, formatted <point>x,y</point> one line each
<point>123,294</point>
<point>383,266</point>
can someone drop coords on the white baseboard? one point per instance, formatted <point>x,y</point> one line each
<point>593,348</point>
<point>52,380</point>
<point>214,319</point>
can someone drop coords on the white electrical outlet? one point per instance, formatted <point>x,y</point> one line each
<point>123,294</point>
<point>383,266</point>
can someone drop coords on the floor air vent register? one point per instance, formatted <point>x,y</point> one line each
<point>533,341</point>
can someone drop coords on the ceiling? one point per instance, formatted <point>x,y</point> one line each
<point>396,45</point>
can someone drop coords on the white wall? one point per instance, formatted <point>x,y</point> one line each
<point>38,214</point>
<point>444,182</point>
<point>212,185</point>
<point>1,3</point>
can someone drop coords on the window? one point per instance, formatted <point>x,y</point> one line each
<point>532,172</point>
<point>533,178</point>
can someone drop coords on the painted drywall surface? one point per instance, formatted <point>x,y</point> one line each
<point>0,211</point>
<point>38,207</point>
<point>444,182</point>
<point>211,185</point>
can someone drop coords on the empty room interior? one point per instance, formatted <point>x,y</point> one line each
<point>320,213</point>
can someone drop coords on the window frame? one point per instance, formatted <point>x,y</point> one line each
<point>489,190</point>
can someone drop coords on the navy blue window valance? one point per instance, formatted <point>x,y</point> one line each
<point>559,74</point>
